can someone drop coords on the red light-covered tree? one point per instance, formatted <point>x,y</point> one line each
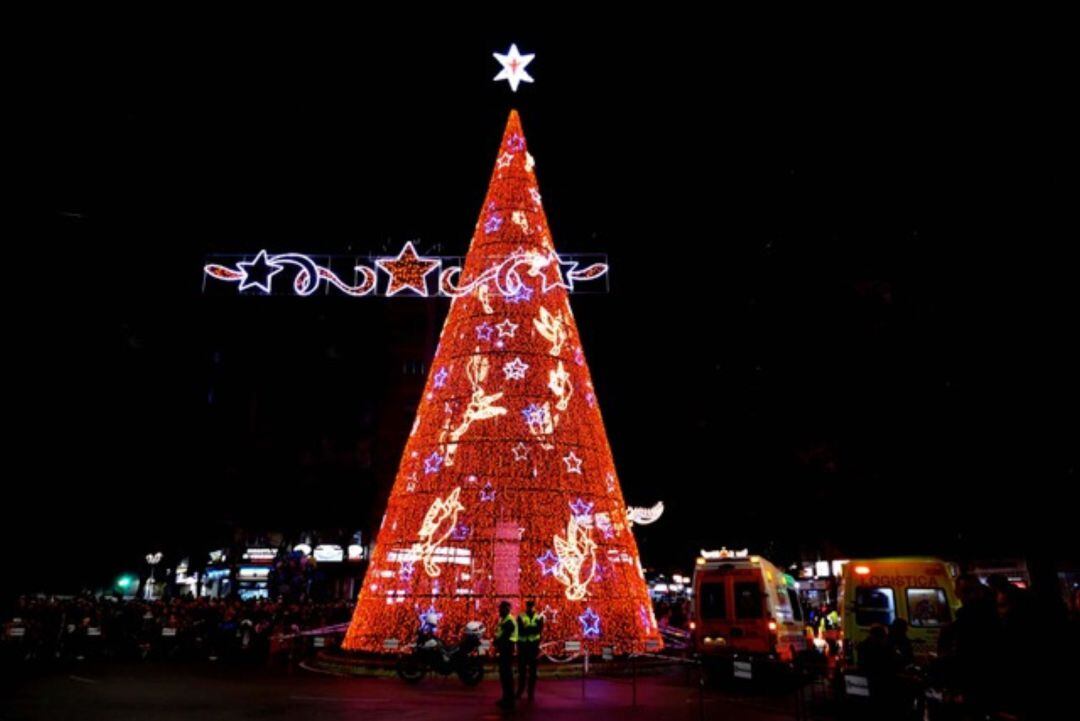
<point>507,488</point>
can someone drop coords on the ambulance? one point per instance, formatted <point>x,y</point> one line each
<point>745,606</point>
<point>879,591</point>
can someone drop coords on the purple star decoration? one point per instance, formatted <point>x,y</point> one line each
<point>590,623</point>
<point>549,563</point>
<point>494,222</point>
<point>534,414</point>
<point>521,295</point>
<point>433,463</point>
<point>581,508</point>
<point>425,625</point>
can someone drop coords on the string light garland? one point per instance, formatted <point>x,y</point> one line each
<point>507,488</point>
<point>407,274</point>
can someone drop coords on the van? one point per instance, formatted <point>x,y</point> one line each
<point>745,606</point>
<point>880,590</point>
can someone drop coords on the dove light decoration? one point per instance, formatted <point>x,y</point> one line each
<point>577,559</point>
<point>438,525</point>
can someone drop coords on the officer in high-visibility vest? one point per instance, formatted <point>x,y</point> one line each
<point>530,627</point>
<point>506,638</point>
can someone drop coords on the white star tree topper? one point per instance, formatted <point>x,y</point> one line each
<point>513,70</point>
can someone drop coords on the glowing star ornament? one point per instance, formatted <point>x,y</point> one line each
<point>432,613</point>
<point>257,273</point>
<point>556,273</point>
<point>515,369</point>
<point>520,451</point>
<point>534,414</point>
<point>513,67</point>
<point>408,271</point>
<point>433,463</point>
<point>515,143</point>
<point>506,328</point>
<point>573,463</point>
<point>581,508</point>
<point>522,295</point>
<point>440,378</point>
<point>590,623</point>
<point>549,563</point>
<point>483,331</point>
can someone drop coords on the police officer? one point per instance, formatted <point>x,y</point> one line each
<point>506,637</point>
<point>530,627</point>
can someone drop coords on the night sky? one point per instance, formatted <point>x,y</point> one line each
<point>823,333</point>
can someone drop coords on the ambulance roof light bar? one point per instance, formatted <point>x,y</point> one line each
<point>724,553</point>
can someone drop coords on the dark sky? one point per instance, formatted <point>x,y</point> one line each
<point>813,340</point>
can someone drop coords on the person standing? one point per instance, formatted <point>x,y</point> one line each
<point>530,628</point>
<point>506,638</point>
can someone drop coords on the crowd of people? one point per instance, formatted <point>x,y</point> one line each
<point>227,629</point>
<point>1004,652</point>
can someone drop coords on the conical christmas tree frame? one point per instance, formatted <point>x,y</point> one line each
<point>507,488</point>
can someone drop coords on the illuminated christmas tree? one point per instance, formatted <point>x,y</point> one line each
<point>507,488</point>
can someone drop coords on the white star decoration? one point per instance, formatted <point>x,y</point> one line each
<point>573,463</point>
<point>515,369</point>
<point>520,451</point>
<point>506,328</point>
<point>513,67</point>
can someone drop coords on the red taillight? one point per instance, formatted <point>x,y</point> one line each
<point>862,570</point>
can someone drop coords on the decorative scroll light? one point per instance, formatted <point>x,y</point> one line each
<point>644,516</point>
<point>408,274</point>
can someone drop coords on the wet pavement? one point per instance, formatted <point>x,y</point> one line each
<point>161,692</point>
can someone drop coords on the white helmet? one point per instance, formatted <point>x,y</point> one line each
<point>474,628</point>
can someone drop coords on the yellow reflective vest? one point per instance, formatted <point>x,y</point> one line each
<point>502,623</point>
<point>529,627</point>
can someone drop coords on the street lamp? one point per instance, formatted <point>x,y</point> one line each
<point>152,559</point>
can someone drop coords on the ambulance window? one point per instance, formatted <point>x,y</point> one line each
<point>748,600</point>
<point>796,607</point>
<point>927,607</point>
<point>874,604</point>
<point>713,604</point>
